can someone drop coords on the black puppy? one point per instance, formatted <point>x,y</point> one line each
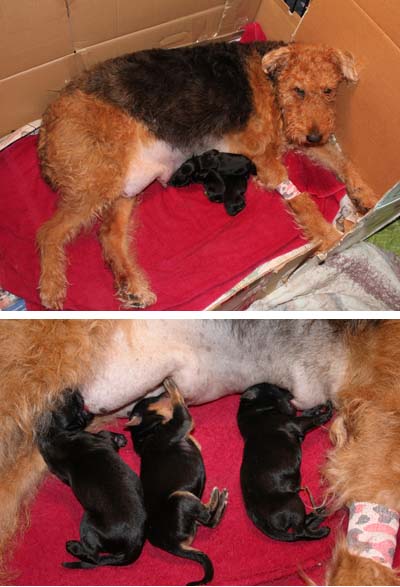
<point>173,476</point>
<point>224,176</point>
<point>270,471</point>
<point>109,491</point>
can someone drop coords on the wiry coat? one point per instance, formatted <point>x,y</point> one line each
<point>136,118</point>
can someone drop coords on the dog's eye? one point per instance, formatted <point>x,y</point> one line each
<point>300,92</point>
<point>327,90</point>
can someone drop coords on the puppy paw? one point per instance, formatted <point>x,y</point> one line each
<point>73,547</point>
<point>119,440</point>
<point>219,507</point>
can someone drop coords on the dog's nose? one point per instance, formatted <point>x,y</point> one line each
<point>314,137</point>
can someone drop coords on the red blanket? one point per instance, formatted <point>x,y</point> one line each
<point>191,249</point>
<point>241,554</point>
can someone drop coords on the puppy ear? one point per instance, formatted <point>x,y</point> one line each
<point>347,66</point>
<point>134,421</point>
<point>275,59</point>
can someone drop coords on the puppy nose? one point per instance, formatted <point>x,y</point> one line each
<point>314,137</point>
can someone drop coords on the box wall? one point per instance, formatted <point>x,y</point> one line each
<point>45,43</point>
<point>368,112</point>
<point>277,21</point>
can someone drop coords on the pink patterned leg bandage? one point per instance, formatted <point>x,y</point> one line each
<point>287,190</point>
<point>372,531</point>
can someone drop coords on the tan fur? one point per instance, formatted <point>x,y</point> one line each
<point>163,407</point>
<point>365,462</point>
<point>86,147</point>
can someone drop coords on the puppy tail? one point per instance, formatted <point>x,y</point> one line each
<point>186,551</point>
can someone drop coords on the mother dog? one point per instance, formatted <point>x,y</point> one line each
<point>136,118</point>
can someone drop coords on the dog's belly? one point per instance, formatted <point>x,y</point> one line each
<point>208,361</point>
<point>158,161</point>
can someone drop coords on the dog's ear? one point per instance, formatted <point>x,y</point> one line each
<point>275,59</point>
<point>347,66</point>
<point>134,421</point>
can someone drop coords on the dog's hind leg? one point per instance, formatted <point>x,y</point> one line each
<point>88,549</point>
<point>192,510</point>
<point>17,487</point>
<point>133,289</point>
<point>51,239</point>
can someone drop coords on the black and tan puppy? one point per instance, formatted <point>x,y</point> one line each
<point>223,175</point>
<point>173,476</point>
<point>113,525</point>
<point>270,471</point>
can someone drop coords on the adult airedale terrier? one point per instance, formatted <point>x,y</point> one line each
<point>137,118</point>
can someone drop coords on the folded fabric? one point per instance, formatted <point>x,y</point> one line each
<point>363,277</point>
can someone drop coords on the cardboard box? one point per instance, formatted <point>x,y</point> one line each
<point>45,44</point>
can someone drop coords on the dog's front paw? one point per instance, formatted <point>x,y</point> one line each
<point>363,198</point>
<point>327,240</point>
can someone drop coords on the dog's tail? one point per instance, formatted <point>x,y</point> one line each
<point>186,551</point>
<point>306,533</point>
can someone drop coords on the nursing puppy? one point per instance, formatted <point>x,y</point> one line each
<point>223,175</point>
<point>270,471</point>
<point>109,491</point>
<point>173,477</point>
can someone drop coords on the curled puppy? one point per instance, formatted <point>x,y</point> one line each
<point>109,491</point>
<point>173,476</point>
<point>270,471</point>
<point>223,175</point>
